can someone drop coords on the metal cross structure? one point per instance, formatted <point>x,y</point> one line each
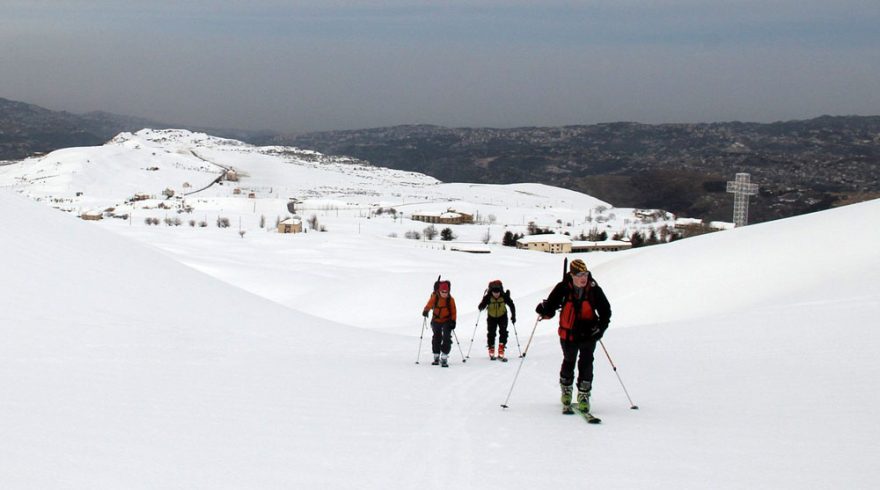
<point>741,189</point>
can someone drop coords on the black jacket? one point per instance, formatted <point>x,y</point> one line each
<point>582,328</point>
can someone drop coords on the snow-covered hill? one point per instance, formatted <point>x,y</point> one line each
<point>752,354</point>
<point>151,162</point>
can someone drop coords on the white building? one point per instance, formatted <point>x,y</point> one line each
<point>553,243</point>
<point>603,246</point>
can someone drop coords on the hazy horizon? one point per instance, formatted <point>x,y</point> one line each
<point>311,66</point>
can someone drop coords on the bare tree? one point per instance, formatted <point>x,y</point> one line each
<point>313,222</point>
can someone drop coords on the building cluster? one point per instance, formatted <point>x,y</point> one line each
<point>448,217</point>
<point>562,244</point>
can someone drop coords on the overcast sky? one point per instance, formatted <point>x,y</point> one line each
<point>334,64</point>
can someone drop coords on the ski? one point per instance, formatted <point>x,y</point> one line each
<point>567,410</point>
<point>590,418</point>
<point>502,359</point>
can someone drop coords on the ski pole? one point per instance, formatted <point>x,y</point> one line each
<point>459,345</point>
<point>474,335</point>
<point>530,336</point>
<point>631,404</point>
<point>516,336</point>
<point>422,336</point>
<point>521,361</point>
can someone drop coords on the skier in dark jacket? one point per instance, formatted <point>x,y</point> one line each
<point>496,301</point>
<point>441,304</point>
<point>582,322</point>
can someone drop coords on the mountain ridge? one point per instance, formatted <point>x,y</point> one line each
<point>800,166</point>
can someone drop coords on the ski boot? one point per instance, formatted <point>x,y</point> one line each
<point>566,397</point>
<point>491,352</point>
<point>501,353</point>
<point>444,360</point>
<point>583,396</point>
<point>436,360</point>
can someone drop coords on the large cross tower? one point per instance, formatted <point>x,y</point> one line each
<point>741,189</point>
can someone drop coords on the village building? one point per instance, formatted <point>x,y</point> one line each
<point>693,226</point>
<point>449,217</point>
<point>650,214</point>
<point>603,246</point>
<point>552,243</point>
<point>231,175</point>
<point>721,225</point>
<point>688,224</point>
<point>290,225</point>
<point>92,215</point>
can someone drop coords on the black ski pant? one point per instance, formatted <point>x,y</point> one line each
<point>442,339</point>
<point>492,324</point>
<point>570,351</point>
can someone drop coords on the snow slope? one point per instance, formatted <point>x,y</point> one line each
<point>752,355</point>
<point>140,356</point>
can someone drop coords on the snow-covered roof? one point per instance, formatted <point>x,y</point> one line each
<point>439,214</point>
<point>550,238</point>
<point>688,221</point>
<point>722,225</point>
<point>605,243</point>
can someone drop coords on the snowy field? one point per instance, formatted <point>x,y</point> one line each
<point>142,356</point>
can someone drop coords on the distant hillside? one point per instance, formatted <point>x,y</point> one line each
<point>801,166</point>
<point>26,129</point>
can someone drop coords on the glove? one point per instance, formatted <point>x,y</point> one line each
<point>425,313</point>
<point>598,331</point>
<point>481,307</point>
<point>545,312</point>
<point>513,319</point>
<point>452,325</point>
